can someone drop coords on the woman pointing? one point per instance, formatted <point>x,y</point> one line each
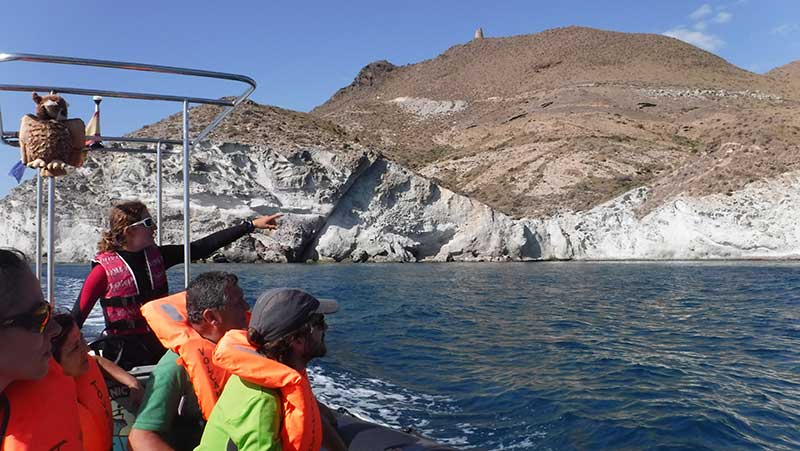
<point>130,270</point>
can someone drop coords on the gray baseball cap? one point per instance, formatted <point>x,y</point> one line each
<point>283,310</point>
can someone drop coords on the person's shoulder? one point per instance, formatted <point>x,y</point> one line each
<point>129,254</point>
<point>169,357</point>
<point>104,258</point>
<point>167,383</point>
<point>242,389</point>
<point>264,391</point>
<point>168,365</point>
<point>244,405</point>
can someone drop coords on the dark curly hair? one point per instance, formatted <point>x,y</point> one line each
<point>207,291</point>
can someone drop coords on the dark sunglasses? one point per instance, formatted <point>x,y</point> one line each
<point>317,320</point>
<point>147,222</point>
<point>34,320</point>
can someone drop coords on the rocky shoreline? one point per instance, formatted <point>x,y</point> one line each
<point>361,207</point>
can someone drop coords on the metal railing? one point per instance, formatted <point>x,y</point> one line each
<point>12,138</point>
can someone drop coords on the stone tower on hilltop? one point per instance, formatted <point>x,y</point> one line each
<point>479,33</point>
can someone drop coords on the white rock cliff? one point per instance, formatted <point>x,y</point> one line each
<point>361,207</point>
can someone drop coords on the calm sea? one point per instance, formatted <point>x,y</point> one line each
<point>554,356</point>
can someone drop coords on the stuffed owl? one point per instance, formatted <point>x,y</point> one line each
<point>49,141</point>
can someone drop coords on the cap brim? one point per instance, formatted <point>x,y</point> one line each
<point>327,306</point>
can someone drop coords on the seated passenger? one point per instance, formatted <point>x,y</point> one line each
<point>130,270</point>
<point>94,404</point>
<point>37,401</point>
<point>185,385</point>
<point>267,404</point>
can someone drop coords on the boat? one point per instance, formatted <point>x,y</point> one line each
<point>359,434</point>
<point>362,435</point>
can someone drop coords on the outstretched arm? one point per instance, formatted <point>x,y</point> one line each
<point>205,247</point>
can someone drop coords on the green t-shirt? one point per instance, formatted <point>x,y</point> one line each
<point>170,405</point>
<point>247,415</point>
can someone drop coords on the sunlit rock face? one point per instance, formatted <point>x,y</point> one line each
<point>758,221</point>
<point>393,215</point>
<point>357,207</point>
<point>229,183</point>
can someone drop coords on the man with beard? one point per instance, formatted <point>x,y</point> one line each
<point>267,404</point>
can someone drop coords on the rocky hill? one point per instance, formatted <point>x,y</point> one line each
<point>255,125</point>
<point>567,119</point>
<point>568,144</point>
<point>341,200</point>
<point>788,74</point>
<point>509,66</point>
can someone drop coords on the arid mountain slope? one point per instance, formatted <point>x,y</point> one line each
<point>569,118</point>
<point>604,145</point>
<point>789,74</point>
<point>254,124</point>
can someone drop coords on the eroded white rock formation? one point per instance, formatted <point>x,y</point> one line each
<point>395,215</point>
<point>357,206</point>
<point>759,221</point>
<point>424,108</point>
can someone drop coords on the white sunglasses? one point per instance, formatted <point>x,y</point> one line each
<point>147,222</point>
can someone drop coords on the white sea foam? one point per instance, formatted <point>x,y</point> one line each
<point>383,403</point>
<point>526,443</point>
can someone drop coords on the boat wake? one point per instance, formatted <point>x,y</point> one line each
<point>389,405</point>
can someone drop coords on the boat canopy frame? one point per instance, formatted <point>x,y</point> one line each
<point>11,138</point>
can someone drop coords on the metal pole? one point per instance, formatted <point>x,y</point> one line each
<point>51,202</point>
<point>158,193</point>
<point>187,251</point>
<point>38,225</point>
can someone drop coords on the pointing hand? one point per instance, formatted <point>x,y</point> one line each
<point>269,222</point>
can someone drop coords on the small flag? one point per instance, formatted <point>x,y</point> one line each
<point>93,131</point>
<point>17,171</point>
<point>93,128</point>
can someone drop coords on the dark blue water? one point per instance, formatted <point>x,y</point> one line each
<point>556,355</point>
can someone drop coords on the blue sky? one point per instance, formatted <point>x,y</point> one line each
<point>301,53</point>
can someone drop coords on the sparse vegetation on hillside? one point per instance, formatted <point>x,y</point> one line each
<point>569,118</point>
<point>255,124</point>
<point>560,120</point>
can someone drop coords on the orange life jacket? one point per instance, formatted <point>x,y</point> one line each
<point>168,319</point>
<point>302,427</point>
<point>43,414</point>
<point>94,409</point>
